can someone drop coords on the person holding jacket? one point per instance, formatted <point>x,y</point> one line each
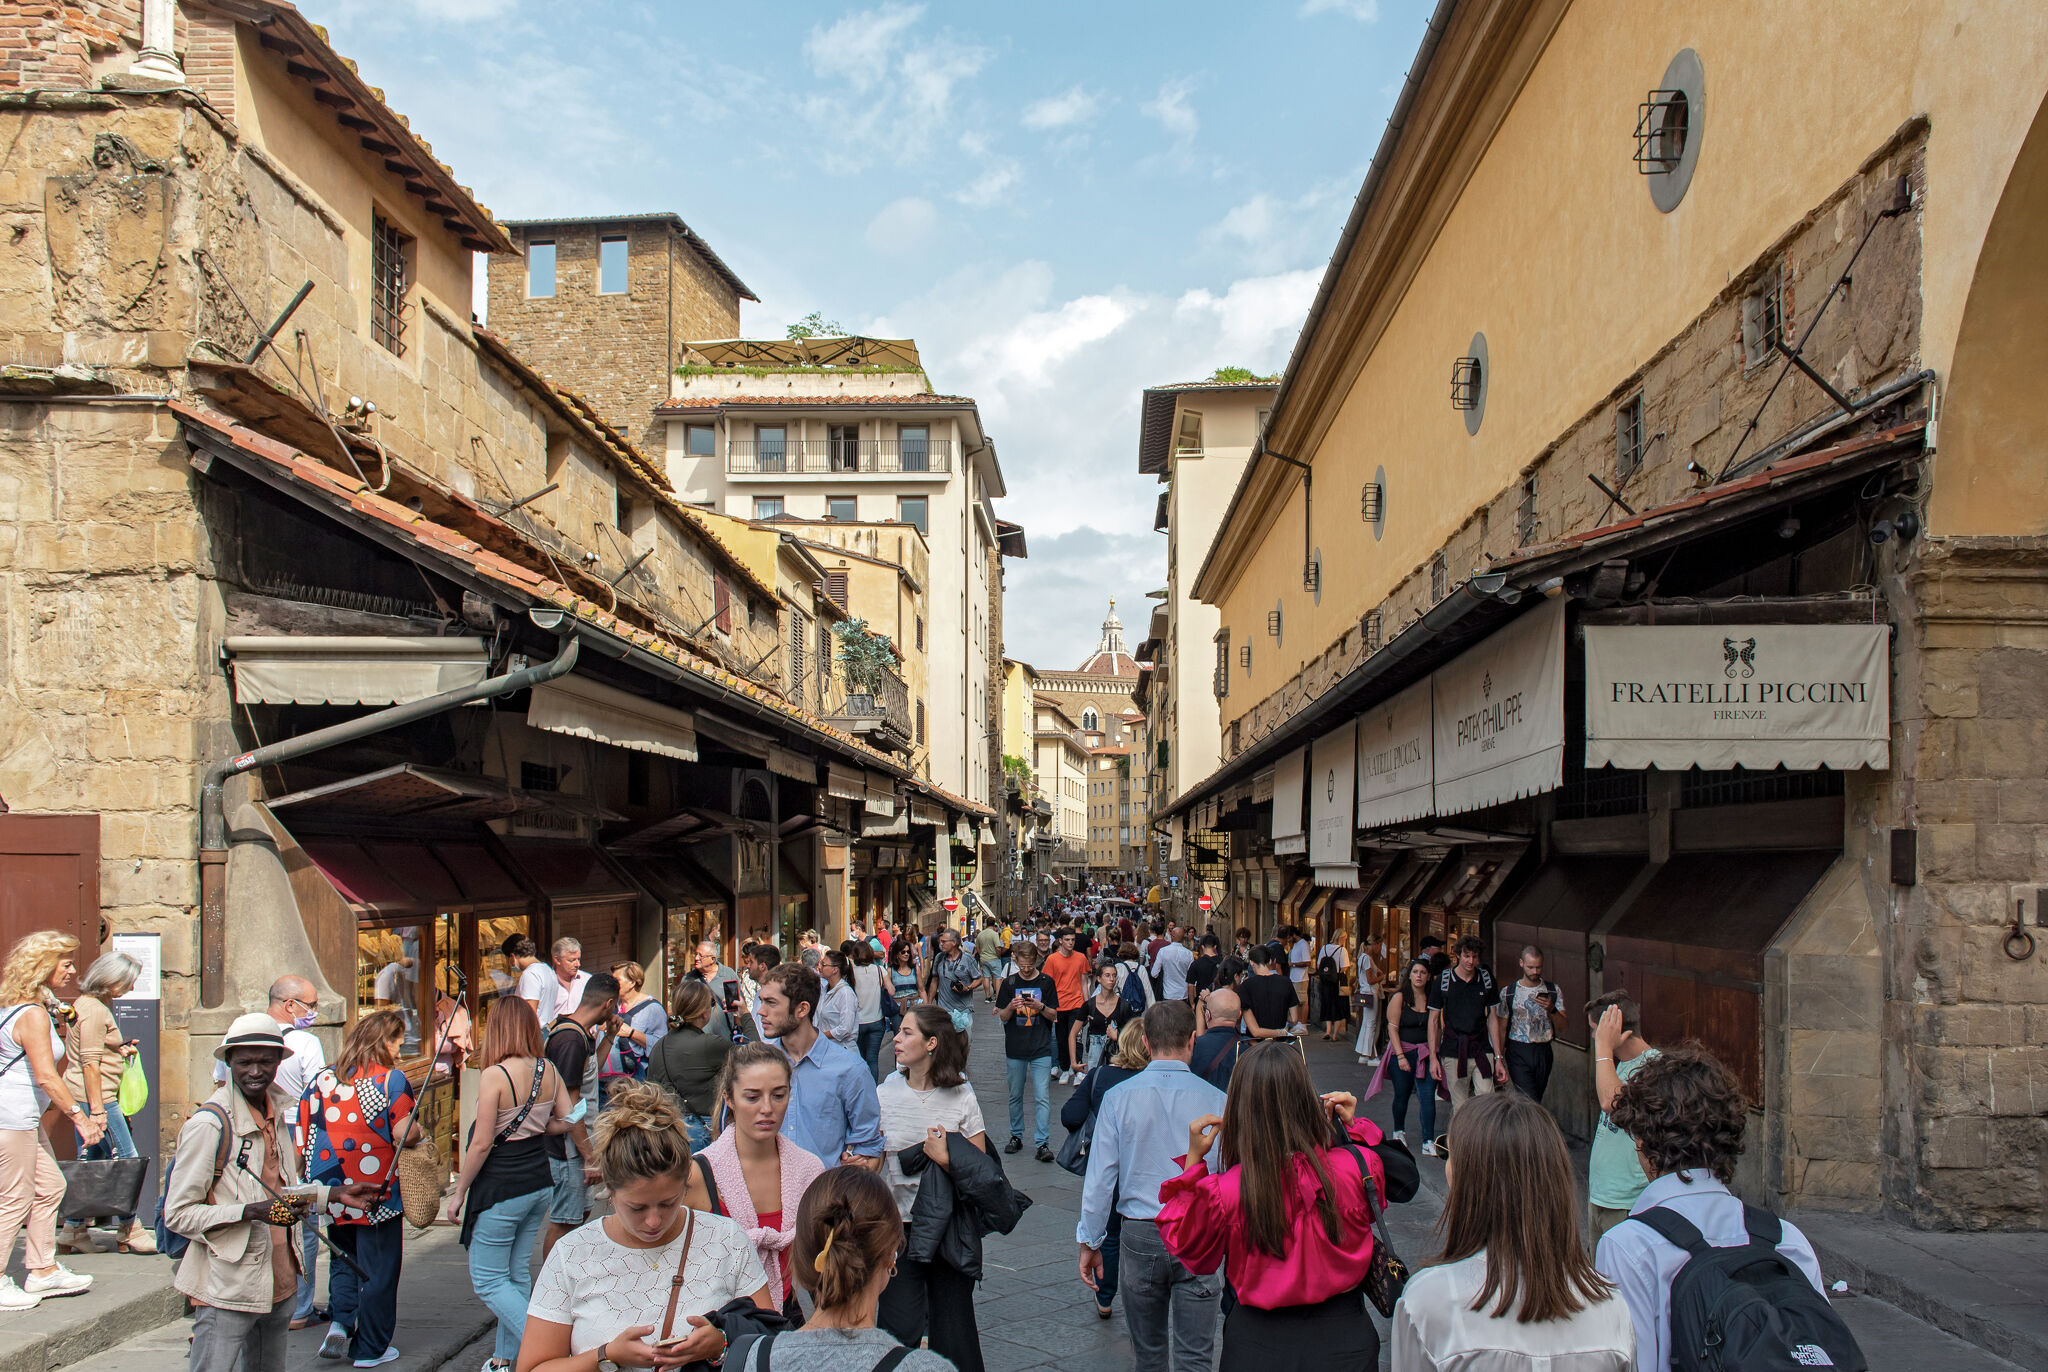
<point>241,1267</point>
<point>1289,1216</point>
<point>931,1123</point>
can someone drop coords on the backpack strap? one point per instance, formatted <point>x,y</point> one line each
<point>1763,1226</point>
<point>220,1151</point>
<point>1675,1229</point>
<point>710,1182</point>
<point>889,1362</point>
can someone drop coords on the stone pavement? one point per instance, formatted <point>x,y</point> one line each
<point>1035,1314</point>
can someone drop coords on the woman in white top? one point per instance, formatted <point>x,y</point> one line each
<point>1513,1290</point>
<point>31,1045</point>
<point>606,1288</point>
<point>867,990</point>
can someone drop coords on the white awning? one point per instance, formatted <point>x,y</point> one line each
<point>845,783</point>
<point>986,835</point>
<point>1396,760</point>
<point>1333,763</point>
<point>881,794</point>
<point>1499,709</point>
<point>963,832</point>
<point>1262,786</point>
<point>1288,834</point>
<point>795,766</point>
<point>924,811</point>
<point>1755,695</point>
<point>286,670</point>
<point>1173,830</point>
<point>582,708</point>
<point>1337,876</point>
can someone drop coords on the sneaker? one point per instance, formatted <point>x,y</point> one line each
<point>1044,1153</point>
<point>13,1297</point>
<point>62,1282</point>
<point>1015,1145</point>
<point>388,1355</point>
<point>1401,1137</point>
<point>334,1346</point>
<point>1429,1149</point>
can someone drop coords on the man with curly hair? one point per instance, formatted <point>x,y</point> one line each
<point>1686,1114</point>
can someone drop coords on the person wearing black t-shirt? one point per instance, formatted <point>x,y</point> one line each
<point>1099,1020</point>
<point>1466,1047</point>
<point>1027,1004</point>
<point>1267,996</point>
<point>1202,971</point>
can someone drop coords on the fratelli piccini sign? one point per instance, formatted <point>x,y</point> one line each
<point>1754,695</point>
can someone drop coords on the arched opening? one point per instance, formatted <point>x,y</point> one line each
<point>1992,476</point>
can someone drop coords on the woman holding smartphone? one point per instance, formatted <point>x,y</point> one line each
<point>1102,1017</point>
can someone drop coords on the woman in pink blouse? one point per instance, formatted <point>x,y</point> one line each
<point>1287,1218</point>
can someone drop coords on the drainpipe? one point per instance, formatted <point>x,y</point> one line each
<point>158,60</point>
<point>213,825</point>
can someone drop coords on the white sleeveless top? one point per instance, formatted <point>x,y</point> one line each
<point>22,1102</point>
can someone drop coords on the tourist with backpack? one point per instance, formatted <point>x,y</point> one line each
<point>1333,1007</point>
<point>1133,985</point>
<point>1712,1284</point>
<point>230,1199</point>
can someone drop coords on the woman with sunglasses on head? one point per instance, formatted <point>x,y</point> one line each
<point>1290,1217</point>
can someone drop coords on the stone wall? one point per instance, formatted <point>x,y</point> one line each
<point>616,350</point>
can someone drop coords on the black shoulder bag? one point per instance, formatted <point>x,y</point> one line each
<point>1386,1276</point>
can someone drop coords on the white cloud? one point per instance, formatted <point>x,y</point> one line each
<point>1173,112</point>
<point>857,49</point>
<point>1063,111</point>
<point>1269,233</point>
<point>996,176</point>
<point>902,226</point>
<point>895,88</point>
<point>1364,11</point>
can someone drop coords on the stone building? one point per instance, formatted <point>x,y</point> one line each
<point>334,636</point>
<point>605,304</point>
<point>1096,696</point>
<point>1595,454</point>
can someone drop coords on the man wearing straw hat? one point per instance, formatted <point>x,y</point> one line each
<point>241,1268</point>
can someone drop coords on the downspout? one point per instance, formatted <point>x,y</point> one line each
<point>213,826</point>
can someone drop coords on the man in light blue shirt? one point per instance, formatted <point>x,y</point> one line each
<point>1689,1165</point>
<point>833,1110</point>
<point>1141,1133</point>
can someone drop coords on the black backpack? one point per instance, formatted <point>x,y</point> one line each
<point>1748,1308</point>
<point>1327,970</point>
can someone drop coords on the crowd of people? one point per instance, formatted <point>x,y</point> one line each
<point>735,1175</point>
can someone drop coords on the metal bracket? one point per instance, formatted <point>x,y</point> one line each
<point>1612,495</point>
<point>1793,356</point>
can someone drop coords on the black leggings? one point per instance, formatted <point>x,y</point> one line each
<point>931,1298</point>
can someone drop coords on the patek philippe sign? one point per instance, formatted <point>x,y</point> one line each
<point>1396,757</point>
<point>1499,709</point>
<point>1330,816</point>
<point>1754,695</point>
<point>1287,831</point>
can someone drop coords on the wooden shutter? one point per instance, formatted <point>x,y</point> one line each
<point>835,587</point>
<point>721,603</point>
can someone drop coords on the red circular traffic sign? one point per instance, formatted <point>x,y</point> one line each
<point>1205,903</point>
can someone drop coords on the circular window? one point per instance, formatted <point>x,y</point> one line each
<point>1670,128</point>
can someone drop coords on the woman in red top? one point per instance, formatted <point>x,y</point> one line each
<point>1288,1218</point>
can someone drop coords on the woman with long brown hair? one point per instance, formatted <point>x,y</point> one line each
<point>354,1119</point>
<point>505,1176</point>
<point>1513,1288</point>
<point>1290,1216</point>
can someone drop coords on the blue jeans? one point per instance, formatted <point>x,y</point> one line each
<point>501,1263</point>
<point>698,1130</point>
<point>117,1142</point>
<point>1112,1251</point>
<point>1040,1070</point>
<point>1423,1087</point>
<point>367,1306</point>
<point>870,1041</point>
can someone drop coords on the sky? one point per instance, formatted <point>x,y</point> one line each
<point>1062,203</point>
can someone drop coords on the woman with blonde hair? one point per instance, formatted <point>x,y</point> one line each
<point>354,1119</point>
<point>1513,1289</point>
<point>642,1022</point>
<point>847,1236</point>
<point>652,1283</point>
<point>752,1173</point>
<point>505,1174</point>
<point>31,1187</point>
<point>95,1055</point>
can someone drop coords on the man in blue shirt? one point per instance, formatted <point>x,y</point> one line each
<point>1141,1132</point>
<point>1686,1113</point>
<point>833,1109</point>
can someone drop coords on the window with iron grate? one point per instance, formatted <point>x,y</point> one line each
<point>1222,680</point>
<point>1439,577</point>
<point>389,284</point>
<point>1628,438</point>
<point>1526,522</point>
<point>920,723</point>
<point>1763,318</point>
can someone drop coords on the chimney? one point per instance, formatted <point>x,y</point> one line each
<point>159,58</point>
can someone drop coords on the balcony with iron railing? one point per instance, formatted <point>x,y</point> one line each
<point>880,716</point>
<point>839,457</point>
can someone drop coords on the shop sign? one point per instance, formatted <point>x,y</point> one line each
<point>1499,708</point>
<point>1333,763</point>
<point>1754,695</point>
<point>1396,760</point>
<point>1288,835</point>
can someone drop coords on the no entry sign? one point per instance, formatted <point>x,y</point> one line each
<point>1205,903</point>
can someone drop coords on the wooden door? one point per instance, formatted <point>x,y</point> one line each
<point>50,879</point>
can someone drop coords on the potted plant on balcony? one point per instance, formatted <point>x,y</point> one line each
<point>865,659</point>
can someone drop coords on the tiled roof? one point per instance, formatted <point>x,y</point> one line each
<point>682,404</point>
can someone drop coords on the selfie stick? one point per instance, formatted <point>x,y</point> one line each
<point>412,1120</point>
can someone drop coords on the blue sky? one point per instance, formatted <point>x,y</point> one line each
<point>1061,202</point>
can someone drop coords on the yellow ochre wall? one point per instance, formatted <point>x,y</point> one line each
<point>1556,252</point>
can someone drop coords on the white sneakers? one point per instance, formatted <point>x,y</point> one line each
<point>1429,1149</point>
<point>13,1297</point>
<point>1401,1137</point>
<point>388,1355</point>
<point>62,1282</point>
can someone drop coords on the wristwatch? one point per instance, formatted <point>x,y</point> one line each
<point>604,1362</point>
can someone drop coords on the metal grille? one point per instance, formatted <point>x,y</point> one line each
<point>1525,514</point>
<point>1763,319</point>
<point>1222,679</point>
<point>1372,499</point>
<point>1740,786</point>
<point>1439,577</point>
<point>1662,123</point>
<point>1244,657</point>
<point>1273,623</point>
<point>388,305</point>
<point>1628,438</point>
<point>1465,377</point>
<point>1369,631</point>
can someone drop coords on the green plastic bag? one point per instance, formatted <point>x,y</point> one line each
<point>134,1092</point>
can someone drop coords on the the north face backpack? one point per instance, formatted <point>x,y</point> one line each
<point>1748,1308</point>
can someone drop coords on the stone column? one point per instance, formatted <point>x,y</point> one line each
<point>159,59</point>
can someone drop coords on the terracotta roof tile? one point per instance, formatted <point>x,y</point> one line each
<point>696,402</point>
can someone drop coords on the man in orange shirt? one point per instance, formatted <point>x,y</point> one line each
<point>1069,972</point>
